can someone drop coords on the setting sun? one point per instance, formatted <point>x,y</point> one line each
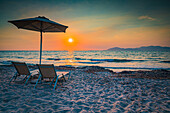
<point>70,40</point>
<point>70,43</point>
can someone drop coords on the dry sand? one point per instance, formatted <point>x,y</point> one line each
<point>86,92</point>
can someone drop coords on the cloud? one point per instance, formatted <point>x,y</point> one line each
<point>146,17</point>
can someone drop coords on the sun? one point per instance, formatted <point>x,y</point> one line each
<point>70,40</point>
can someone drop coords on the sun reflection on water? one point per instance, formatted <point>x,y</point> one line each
<point>70,59</point>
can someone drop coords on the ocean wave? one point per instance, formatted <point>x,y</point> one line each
<point>116,60</point>
<point>154,58</point>
<point>19,57</point>
<point>77,58</point>
<point>53,59</point>
<point>110,60</point>
<point>6,62</point>
<point>165,61</point>
<point>66,58</point>
<point>149,68</point>
<point>90,62</point>
<point>98,60</point>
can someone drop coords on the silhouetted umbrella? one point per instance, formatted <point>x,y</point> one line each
<point>41,24</point>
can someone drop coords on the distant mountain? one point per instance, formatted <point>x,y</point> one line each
<point>143,48</point>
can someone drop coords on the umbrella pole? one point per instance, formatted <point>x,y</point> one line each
<point>40,46</point>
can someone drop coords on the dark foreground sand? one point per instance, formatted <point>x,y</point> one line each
<point>88,91</point>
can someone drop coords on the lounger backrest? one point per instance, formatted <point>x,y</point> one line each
<point>47,70</point>
<point>21,68</point>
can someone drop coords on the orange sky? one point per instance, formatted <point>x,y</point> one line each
<point>96,30</point>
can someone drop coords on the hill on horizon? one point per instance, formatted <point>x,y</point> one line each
<point>143,48</point>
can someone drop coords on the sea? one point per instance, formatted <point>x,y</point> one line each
<point>115,60</point>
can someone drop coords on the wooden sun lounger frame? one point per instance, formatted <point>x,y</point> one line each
<point>48,71</point>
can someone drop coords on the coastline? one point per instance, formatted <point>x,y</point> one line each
<point>140,73</point>
<point>90,89</point>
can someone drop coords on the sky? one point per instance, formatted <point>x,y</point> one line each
<point>92,24</point>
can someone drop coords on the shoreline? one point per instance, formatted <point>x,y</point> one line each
<point>149,74</point>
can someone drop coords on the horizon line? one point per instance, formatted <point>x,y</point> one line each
<point>75,50</point>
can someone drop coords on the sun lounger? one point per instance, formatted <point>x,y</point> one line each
<point>22,69</point>
<point>48,71</point>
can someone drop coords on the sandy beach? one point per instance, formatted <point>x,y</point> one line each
<point>88,91</point>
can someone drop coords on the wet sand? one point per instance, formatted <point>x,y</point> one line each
<point>88,90</point>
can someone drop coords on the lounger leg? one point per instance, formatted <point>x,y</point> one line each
<point>64,78</point>
<point>69,75</point>
<point>27,79</point>
<point>41,79</point>
<point>13,77</point>
<point>55,83</point>
<point>37,81</point>
<point>52,81</point>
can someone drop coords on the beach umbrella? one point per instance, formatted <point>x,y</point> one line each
<point>40,24</point>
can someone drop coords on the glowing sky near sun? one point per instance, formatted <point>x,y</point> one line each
<point>93,24</point>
